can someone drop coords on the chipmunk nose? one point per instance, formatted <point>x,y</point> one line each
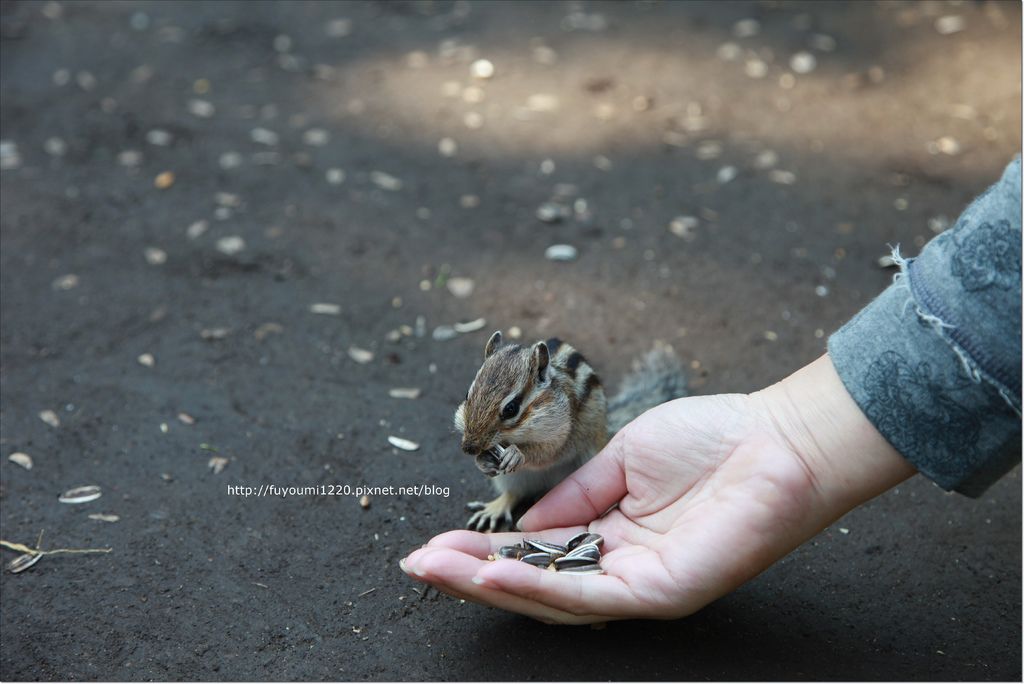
<point>471,448</point>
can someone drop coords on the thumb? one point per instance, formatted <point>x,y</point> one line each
<point>583,496</point>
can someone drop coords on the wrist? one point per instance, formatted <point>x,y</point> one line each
<point>847,459</point>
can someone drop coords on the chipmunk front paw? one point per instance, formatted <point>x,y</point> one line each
<point>511,460</point>
<point>492,516</point>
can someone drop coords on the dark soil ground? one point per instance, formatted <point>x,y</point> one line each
<point>639,106</point>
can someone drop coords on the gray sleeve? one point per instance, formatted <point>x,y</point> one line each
<point>935,361</point>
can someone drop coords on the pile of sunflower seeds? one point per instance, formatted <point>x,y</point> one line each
<point>580,555</point>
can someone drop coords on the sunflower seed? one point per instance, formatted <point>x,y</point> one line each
<point>565,562</point>
<point>589,569</point>
<point>403,444</point>
<point>584,538</point>
<point>546,547</point>
<point>540,559</point>
<point>81,495</point>
<point>23,562</point>
<point>24,460</point>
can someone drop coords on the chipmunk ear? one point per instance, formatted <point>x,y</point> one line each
<point>492,344</point>
<point>540,359</point>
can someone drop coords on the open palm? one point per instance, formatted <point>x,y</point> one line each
<point>708,491</point>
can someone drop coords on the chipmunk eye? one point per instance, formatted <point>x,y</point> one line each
<point>511,409</point>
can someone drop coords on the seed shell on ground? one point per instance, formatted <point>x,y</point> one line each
<point>403,444</point>
<point>81,495</point>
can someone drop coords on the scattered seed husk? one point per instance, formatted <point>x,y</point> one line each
<point>23,562</point>
<point>403,444</point>
<point>404,392</point>
<point>364,501</point>
<point>147,360</point>
<point>186,419</point>
<point>360,355</point>
<point>444,332</point>
<point>22,459</point>
<point>561,253</point>
<point>65,282</point>
<point>104,517</point>
<point>81,495</point>
<point>325,308</point>
<point>470,326</point>
<point>266,329</point>
<point>230,245</point>
<point>217,464</point>
<point>155,256</point>
<point>385,181</point>
<point>214,333</point>
<point>50,418</point>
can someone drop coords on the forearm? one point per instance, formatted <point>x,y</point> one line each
<point>847,460</point>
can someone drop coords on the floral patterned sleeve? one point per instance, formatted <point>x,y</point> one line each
<point>935,361</point>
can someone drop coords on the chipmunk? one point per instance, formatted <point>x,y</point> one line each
<point>535,414</point>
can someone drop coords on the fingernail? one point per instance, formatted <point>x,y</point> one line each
<point>519,523</point>
<point>478,580</point>
<point>401,564</point>
<point>420,572</point>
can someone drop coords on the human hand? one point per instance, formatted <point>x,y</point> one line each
<point>710,492</point>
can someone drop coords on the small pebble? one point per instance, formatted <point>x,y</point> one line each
<point>50,418</point>
<point>24,460</point>
<point>364,501</point>
<point>460,287</point>
<point>201,108</point>
<point>729,52</point>
<point>338,28</point>
<point>129,158</point>
<point>447,147</point>
<point>159,137</point>
<point>230,245</point>
<point>561,253</point>
<point>745,28</point>
<point>264,136</point>
<point>360,355</point>
<point>196,229</point>
<point>164,180</point>
<point>770,335</point>
<point>755,68</point>
<point>803,62</point>
<point>443,333</point>
<point>186,419</point>
<point>230,160</point>
<point>726,174</point>
<point>335,176</point>
<point>782,177</point>
<point>55,147</point>
<point>949,24</point>
<point>766,159</point>
<point>155,256</point>
<point>683,226</point>
<point>316,137</point>
<point>515,332</point>
<point>147,360</point>
<point>482,69</point>
<point>65,282</point>
<point>404,392</point>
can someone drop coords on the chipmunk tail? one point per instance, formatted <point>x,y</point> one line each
<point>656,377</point>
